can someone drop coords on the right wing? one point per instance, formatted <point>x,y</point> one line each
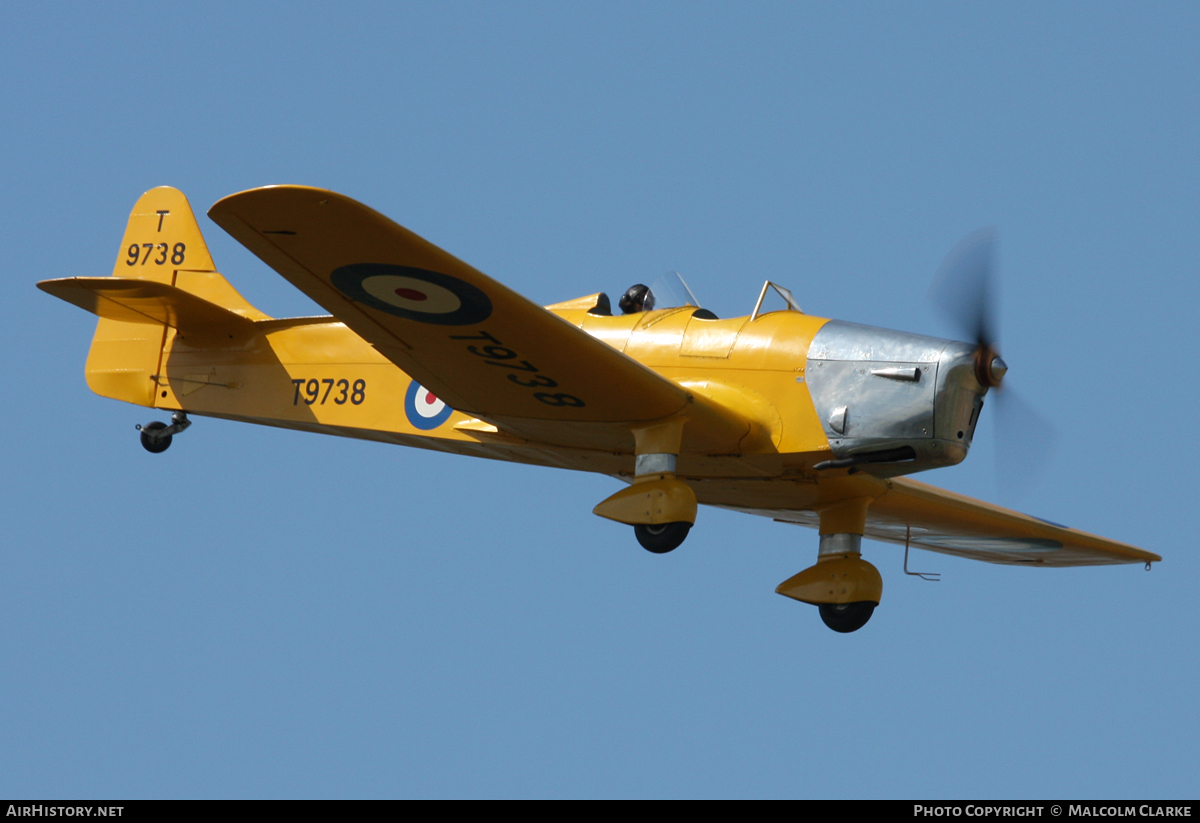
<point>478,345</point>
<point>941,521</point>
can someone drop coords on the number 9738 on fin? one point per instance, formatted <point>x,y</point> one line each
<point>160,252</point>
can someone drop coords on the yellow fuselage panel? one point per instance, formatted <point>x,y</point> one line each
<point>757,368</point>
<point>315,374</point>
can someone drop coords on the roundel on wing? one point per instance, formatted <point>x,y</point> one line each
<point>423,408</point>
<point>414,294</point>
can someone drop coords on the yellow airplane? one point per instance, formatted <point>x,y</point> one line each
<point>798,418</point>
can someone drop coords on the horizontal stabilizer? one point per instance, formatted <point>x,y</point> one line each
<point>146,301</point>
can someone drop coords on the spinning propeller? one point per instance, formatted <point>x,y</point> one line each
<point>964,289</point>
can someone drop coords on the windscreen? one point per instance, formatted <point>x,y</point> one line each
<point>670,290</point>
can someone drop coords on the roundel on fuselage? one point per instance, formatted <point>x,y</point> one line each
<point>423,408</point>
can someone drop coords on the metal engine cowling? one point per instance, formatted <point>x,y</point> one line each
<point>899,402</point>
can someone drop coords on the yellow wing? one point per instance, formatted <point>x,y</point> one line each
<point>941,521</point>
<point>478,345</point>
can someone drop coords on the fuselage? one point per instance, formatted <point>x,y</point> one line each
<point>814,391</point>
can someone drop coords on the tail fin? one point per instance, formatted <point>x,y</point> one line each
<point>162,235</point>
<point>162,244</point>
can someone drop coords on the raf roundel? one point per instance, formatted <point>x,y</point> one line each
<point>424,409</point>
<point>414,294</point>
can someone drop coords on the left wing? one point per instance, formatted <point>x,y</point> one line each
<point>478,345</point>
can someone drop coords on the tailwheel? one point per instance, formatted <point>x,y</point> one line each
<point>663,537</point>
<point>152,441</point>
<point>156,436</point>
<point>847,617</point>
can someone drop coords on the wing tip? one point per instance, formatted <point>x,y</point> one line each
<point>223,206</point>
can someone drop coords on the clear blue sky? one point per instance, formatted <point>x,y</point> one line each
<point>266,613</point>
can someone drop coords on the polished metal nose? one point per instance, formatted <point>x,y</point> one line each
<point>997,368</point>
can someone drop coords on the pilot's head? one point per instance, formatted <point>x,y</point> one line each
<point>638,298</point>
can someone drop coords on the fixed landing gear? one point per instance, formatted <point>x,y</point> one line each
<point>663,537</point>
<point>661,509</point>
<point>844,587</point>
<point>156,436</point>
<point>847,617</point>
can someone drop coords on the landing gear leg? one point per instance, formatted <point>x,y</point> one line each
<point>842,585</point>
<point>156,436</point>
<point>660,507</point>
